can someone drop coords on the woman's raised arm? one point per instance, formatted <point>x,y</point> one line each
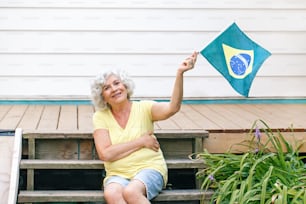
<point>164,110</point>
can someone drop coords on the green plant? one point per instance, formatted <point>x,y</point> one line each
<point>270,171</point>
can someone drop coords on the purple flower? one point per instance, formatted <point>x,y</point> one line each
<point>257,134</point>
<point>211,177</point>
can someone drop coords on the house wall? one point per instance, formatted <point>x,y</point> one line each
<point>53,49</point>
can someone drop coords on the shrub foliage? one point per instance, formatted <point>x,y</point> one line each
<point>270,171</point>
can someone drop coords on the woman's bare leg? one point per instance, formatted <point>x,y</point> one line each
<point>113,194</point>
<point>135,193</point>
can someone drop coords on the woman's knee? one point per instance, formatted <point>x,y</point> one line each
<point>113,192</point>
<point>134,190</point>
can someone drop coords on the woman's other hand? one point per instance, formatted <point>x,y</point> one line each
<point>150,141</point>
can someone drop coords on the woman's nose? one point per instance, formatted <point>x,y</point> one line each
<point>113,88</point>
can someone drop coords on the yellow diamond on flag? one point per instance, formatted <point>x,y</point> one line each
<point>239,62</point>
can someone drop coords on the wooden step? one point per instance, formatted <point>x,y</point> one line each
<point>97,164</point>
<point>97,196</point>
<point>166,134</point>
<point>76,150</point>
<point>76,145</point>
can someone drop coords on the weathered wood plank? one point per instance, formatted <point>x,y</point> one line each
<point>98,164</point>
<point>240,116</point>
<point>212,117</point>
<point>87,149</point>
<point>12,118</point>
<point>167,124</point>
<point>10,151</point>
<point>184,121</point>
<point>57,145</point>
<point>31,117</point>
<point>272,116</point>
<point>222,142</point>
<point>217,117</point>
<point>96,196</point>
<point>176,148</point>
<point>167,133</point>
<point>287,117</point>
<point>58,134</point>
<point>31,155</point>
<point>57,149</point>
<point>14,174</point>
<point>199,118</point>
<point>85,113</point>
<point>251,111</point>
<point>266,112</point>
<point>276,117</point>
<point>49,118</point>
<point>6,151</point>
<point>3,111</point>
<point>84,149</point>
<point>184,194</point>
<point>68,118</point>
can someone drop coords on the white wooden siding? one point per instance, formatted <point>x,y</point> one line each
<point>53,49</point>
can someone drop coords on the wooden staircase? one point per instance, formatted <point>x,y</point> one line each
<point>63,152</point>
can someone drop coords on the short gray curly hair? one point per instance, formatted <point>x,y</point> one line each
<point>98,83</point>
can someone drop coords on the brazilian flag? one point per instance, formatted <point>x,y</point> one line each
<point>236,57</point>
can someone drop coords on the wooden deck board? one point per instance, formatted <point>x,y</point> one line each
<point>295,115</point>
<point>31,117</point>
<point>13,117</point>
<point>271,116</point>
<point>97,196</point>
<point>217,117</point>
<point>98,164</point>
<point>168,124</point>
<point>211,117</point>
<point>6,150</point>
<point>85,113</point>
<point>277,118</point>
<point>184,122</point>
<point>49,118</point>
<point>3,111</point>
<point>230,115</point>
<point>227,123</point>
<point>68,118</point>
<point>249,111</point>
<point>199,118</point>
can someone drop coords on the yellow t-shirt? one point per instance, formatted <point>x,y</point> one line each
<point>139,122</point>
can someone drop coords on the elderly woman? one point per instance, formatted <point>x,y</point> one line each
<point>135,167</point>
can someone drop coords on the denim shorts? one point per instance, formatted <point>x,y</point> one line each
<point>151,178</point>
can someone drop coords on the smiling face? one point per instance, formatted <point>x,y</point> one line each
<point>114,91</point>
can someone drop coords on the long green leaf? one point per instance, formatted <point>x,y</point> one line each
<point>252,170</point>
<point>264,185</point>
<point>297,197</point>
